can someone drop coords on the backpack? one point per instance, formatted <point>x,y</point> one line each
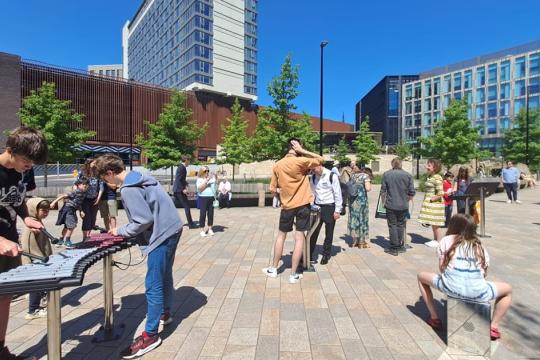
<point>353,187</point>
<point>331,178</point>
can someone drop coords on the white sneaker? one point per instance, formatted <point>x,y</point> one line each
<point>432,244</point>
<point>39,313</point>
<point>203,234</point>
<point>518,202</point>
<point>508,201</point>
<point>165,319</point>
<point>211,233</point>
<point>294,278</point>
<point>270,272</point>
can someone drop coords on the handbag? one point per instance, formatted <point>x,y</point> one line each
<point>215,203</point>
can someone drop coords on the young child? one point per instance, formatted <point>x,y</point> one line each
<point>67,215</point>
<point>151,213</point>
<point>448,189</point>
<point>463,263</point>
<point>24,147</point>
<point>36,244</point>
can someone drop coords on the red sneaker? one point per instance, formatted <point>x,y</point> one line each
<point>141,345</point>
<point>436,324</point>
<point>495,333</point>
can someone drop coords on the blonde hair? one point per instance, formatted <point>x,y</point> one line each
<point>202,171</point>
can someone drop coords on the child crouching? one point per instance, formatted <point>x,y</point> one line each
<point>36,244</point>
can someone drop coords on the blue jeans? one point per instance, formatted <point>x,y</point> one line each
<point>159,282</point>
<point>511,190</point>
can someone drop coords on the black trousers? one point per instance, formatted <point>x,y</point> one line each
<point>396,226</point>
<point>35,300</point>
<point>327,218</point>
<point>207,207</point>
<point>224,200</point>
<point>184,202</point>
<point>90,214</point>
<point>511,190</point>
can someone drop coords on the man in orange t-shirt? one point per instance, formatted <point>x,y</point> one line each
<point>290,175</point>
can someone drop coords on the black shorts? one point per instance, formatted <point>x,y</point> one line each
<point>287,218</point>
<point>67,216</point>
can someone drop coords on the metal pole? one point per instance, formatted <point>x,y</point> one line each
<point>323,44</point>
<point>108,294</point>
<point>130,126</point>
<point>527,129</point>
<point>54,322</point>
<point>482,213</point>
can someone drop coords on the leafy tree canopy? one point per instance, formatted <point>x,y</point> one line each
<point>366,147</point>
<point>515,140</point>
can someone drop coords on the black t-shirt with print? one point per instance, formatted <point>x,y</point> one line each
<point>12,194</point>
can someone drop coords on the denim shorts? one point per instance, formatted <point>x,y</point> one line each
<point>488,293</point>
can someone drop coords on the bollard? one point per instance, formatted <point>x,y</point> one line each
<point>468,327</point>
<point>262,195</point>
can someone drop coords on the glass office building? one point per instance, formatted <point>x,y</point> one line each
<point>208,45</point>
<point>497,87</point>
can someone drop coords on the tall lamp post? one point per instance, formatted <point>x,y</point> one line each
<point>130,92</point>
<point>527,127</point>
<point>323,44</point>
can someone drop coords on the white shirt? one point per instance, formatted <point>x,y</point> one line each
<point>327,192</point>
<point>224,187</point>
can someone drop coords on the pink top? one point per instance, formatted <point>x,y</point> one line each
<point>461,253</point>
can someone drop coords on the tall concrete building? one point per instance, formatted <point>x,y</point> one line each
<point>497,87</point>
<point>208,45</point>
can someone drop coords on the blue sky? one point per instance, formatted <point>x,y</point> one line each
<point>367,39</point>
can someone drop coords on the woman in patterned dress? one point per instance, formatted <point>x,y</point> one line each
<point>432,212</point>
<point>358,224</point>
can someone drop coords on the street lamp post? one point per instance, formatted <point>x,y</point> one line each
<point>323,44</point>
<point>130,92</point>
<point>527,127</point>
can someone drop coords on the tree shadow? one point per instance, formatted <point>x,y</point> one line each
<point>420,310</point>
<point>132,309</point>
<point>523,322</point>
<point>535,223</point>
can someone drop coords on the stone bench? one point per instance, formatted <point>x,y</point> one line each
<point>468,327</point>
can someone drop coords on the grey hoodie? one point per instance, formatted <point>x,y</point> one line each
<point>149,209</point>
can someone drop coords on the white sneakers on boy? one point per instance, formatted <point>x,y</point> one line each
<point>294,278</point>
<point>432,244</point>
<point>270,272</point>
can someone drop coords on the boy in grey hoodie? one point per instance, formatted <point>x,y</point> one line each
<point>152,214</point>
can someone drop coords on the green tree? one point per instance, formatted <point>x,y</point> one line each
<point>366,147</point>
<point>275,124</point>
<point>403,151</point>
<point>515,140</point>
<point>174,134</point>
<point>236,144</point>
<point>342,150</point>
<point>59,123</point>
<point>454,140</point>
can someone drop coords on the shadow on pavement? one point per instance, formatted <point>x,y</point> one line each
<point>420,310</point>
<point>74,296</point>
<point>132,310</point>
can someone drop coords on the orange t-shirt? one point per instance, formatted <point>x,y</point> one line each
<point>290,175</point>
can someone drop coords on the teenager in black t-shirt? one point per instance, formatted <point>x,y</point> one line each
<point>24,147</point>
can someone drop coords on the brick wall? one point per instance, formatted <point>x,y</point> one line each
<point>10,93</point>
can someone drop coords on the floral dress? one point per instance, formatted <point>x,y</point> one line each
<point>432,212</point>
<point>358,224</point>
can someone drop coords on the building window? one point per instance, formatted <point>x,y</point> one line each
<point>519,67</point>
<point>427,105</point>
<point>519,104</point>
<point>480,112</point>
<point>534,85</point>
<point>446,102</point>
<point>436,116</point>
<point>436,86</point>
<point>481,127</point>
<point>492,74</point>
<point>436,103</point>
<point>427,88</point>
<point>447,84</point>
<point>427,131</point>
<point>457,95</point>
<point>408,108</point>
<point>480,76</point>
<point>505,123</point>
<point>408,121</point>
<point>457,82</point>
<point>492,127</point>
<point>519,88</point>
<point>492,109</point>
<point>534,102</point>
<point>504,108</point>
<point>467,79</point>
<point>468,96</point>
<point>408,92</point>
<point>417,120</point>
<point>492,92</point>
<point>417,106</point>
<point>417,90</point>
<point>505,70</point>
<point>480,95</point>
<point>427,119</point>
<point>534,64</point>
<point>505,91</point>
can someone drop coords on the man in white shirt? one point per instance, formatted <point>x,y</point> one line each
<point>327,191</point>
<point>224,193</point>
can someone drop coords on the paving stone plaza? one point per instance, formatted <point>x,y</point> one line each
<point>364,304</point>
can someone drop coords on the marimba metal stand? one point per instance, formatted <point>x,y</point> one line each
<point>107,332</point>
<point>314,219</point>
<point>483,214</point>
<point>54,323</point>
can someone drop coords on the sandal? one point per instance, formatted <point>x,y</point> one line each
<point>364,245</point>
<point>436,324</point>
<point>495,333</point>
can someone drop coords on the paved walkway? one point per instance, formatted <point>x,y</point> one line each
<point>363,305</point>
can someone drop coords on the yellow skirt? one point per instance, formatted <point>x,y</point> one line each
<point>432,213</point>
